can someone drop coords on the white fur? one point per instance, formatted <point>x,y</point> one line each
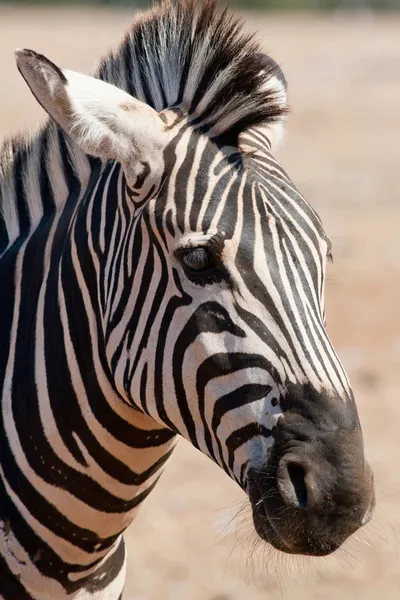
<point>102,119</point>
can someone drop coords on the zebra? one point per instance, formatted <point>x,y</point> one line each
<point>161,276</point>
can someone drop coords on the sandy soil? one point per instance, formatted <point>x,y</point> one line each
<point>343,152</point>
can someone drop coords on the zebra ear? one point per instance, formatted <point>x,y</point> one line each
<point>103,120</point>
<point>274,85</point>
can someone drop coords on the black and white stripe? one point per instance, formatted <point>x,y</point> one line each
<point>109,347</point>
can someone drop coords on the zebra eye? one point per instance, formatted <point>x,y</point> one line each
<point>197,260</point>
<point>202,266</point>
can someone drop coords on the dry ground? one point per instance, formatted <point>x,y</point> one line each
<point>343,152</point>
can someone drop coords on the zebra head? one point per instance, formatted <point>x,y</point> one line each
<point>211,267</point>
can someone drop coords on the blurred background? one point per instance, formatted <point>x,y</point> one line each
<point>193,540</point>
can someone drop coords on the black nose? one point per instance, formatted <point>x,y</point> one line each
<point>315,488</point>
<point>305,503</point>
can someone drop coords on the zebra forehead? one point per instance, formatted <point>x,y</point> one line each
<point>216,179</point>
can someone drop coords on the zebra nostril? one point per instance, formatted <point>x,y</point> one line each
<point>291,482</point>
<point>297,475</point>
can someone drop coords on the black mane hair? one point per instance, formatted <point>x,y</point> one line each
<point>190,54</point>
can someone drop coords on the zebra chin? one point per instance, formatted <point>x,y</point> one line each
<point>315,489</point>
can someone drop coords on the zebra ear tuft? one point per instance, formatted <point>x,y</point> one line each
<point>102,119</point>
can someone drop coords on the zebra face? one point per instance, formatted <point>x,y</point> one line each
<point>248,372</point>
<point>217,331</point>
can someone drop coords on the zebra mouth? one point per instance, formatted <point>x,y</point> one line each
<point>262,523</point>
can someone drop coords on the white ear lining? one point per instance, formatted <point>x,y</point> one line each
<point>102,119</point>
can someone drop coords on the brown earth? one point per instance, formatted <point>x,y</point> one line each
<point>343,151</point>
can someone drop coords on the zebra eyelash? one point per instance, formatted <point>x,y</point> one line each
<point>216,273</point>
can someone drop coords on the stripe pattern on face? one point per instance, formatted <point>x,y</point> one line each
<point>257,323</point>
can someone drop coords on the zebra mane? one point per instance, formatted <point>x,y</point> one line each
<point>189,54</point>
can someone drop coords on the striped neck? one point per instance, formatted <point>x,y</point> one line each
<point>38,175</point>
<point>102,456</point>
